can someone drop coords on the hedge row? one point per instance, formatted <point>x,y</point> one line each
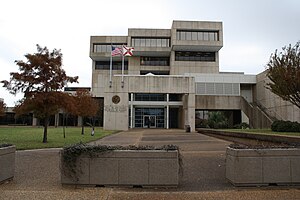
<point>285,126</point>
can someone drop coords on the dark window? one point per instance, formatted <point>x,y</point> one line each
<point>105,65</point>
<point>149,97</point>
<point>150,42</point>
<point>197,35</point>
<point>175,97</point>
<point>105,47</point>
<point>155,61</point>
<point>195,56</point>
<point>155,72</point>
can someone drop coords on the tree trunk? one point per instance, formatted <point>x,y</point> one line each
<point>46,122</point>
<point>82,129</point>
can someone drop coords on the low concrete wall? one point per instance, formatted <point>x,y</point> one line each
<point>254,167</point>
<point>254,136</point>
<point>126,168</point>
<point>7,162</point>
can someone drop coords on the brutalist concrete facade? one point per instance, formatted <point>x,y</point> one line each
<point>167,79</point>
<point>172,74</point>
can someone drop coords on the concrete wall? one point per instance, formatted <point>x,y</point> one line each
<point>142,167</point>
<point>7,163</point>
<point>273,104</point>
<point>218,102</point>
<point>116,116</point>
<point>253,167</point>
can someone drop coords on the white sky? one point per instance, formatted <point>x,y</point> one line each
<point>252,29</point>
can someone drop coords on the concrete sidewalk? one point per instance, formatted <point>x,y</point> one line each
<point>37,172</point>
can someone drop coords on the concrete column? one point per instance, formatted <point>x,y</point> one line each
<point>131,111</point>
<point>56,120</point>
<point>191,111</point>
<point>245,119</point>
<point>34,121</point>
<point>167,125</point>
<point>79,123</point>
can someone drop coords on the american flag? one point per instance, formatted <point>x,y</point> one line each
<point>116,51</point>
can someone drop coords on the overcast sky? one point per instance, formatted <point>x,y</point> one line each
<point>252,29</point>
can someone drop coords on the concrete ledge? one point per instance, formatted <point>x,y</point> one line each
<point>7,163</point>
<point>255,136</point>
<point>125,168</point>
<point>258,167</point>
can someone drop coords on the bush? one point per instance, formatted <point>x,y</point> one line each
<point>243,125</point>
<point>201,123</point>
<point>217,119</point>
<point>285,126</point>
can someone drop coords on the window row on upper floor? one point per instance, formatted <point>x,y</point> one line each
<point>155,61</point>
<point>150,42</point>
<point>197,35</point>
<point>104,47</point>
<point>195,56</point>
<point>105,65</point>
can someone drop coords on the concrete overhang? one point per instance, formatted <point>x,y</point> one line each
<point>224,78</point>
<point>196,48</point>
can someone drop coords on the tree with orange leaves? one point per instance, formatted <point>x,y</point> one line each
<point>41,79</point>
<point>85,105</point>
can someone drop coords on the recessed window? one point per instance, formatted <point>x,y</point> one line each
<point>150,42</point>
<point>105,47</point>
<point>105,65</point>
<point>155,61</point>
<point>195,56</point>
<point>197,35</point>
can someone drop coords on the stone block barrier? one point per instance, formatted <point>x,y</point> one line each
<point>7,162</point>
<point>124,168</point>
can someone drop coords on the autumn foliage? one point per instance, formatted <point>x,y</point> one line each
<point>85,105</point>
<point>41,79</point>
<point>284,73</point>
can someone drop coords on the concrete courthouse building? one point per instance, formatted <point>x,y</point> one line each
<point>173,78</point>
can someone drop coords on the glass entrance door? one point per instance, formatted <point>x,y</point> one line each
<point>149,121</point>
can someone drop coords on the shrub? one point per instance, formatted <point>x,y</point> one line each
<point>243,125</point>
<point>285,126</point>
<point>217,119</point>
<point>201,123</point>
<point>5,145</point>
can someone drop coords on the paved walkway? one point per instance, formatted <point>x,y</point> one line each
<point>37,172</point>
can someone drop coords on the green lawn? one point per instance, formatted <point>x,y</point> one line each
<point>31,137</point>
<point>263,131</point>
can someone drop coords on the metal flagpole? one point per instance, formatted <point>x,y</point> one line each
<point>110,66</point>
<point>122,67</point>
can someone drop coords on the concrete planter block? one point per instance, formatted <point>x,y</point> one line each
<point>7,162</point>
<point>256,167</point>
<point>126,168</point>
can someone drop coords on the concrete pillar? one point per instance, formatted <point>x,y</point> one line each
<point>167,125</point>
<point>245,119</point>
<point>34,121</point>
<point>131,111</point>
<point>79,121</point>
<point>56,120</point>
<point>189,110</point>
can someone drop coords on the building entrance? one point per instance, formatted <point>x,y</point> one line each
<point>149,117</point>
<point>149,121</point>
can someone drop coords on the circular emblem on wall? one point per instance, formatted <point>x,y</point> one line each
<point>115,99</point>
